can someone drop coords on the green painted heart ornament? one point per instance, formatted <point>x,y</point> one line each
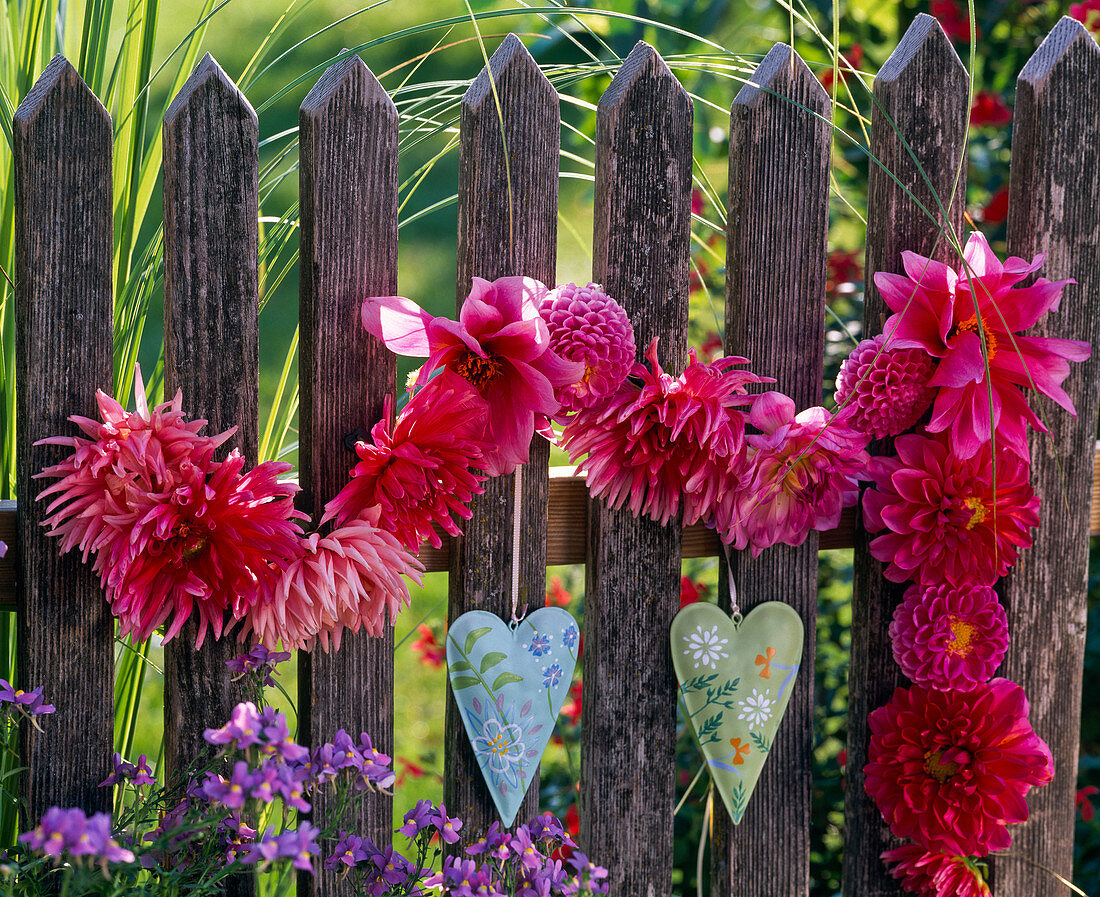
<point>736,681</point>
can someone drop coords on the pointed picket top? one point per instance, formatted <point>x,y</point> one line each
<point>207,76</point>
<point>642,65</point>
<point>348,81</point>
<point>1068,43</point>
<point>512,60</point>
<point>59,78</point>
<point>783,72</point>
<point>924,43</point>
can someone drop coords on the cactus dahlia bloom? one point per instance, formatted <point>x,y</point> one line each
<point>949,637</point>
<point>588,326</point>
<point>950,315</point>
<point>212,540</point>
<point>665,439</point>
<point>418,473</point>
<point>950,769</point>
<point>947,520</point>
<point>350,579</point>
<point>928,874</point>
<point>884,392</point>
<point>802,473</point>
<point>499,344</point>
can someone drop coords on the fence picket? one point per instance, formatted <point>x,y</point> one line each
<point>932,122</point>
<point>775,315</point>
<point>210,340</point>
<point>640,255</point>
<point>348,196</point>
<point>1052,209</point>
<point>507,225</point>
<point>64,338</point>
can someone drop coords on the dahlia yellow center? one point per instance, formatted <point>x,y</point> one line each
<point>962,635</point>
<point>479,371</point>
<point>978,511</point>
<point>938,768</point>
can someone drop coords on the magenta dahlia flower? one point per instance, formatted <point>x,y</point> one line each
<point>929,874</point>
<point>419,473</point>
<point>588,326</point>
<point>948,636</point>
<point>950,769</point>
<point>947,521</point>
<point>213,541</point>
<point>350,579</point>
<point>137,449</point>
<point>884,391</point>
<point>666,441</point>
<point>948,314</point>
<point>499,344</point>
<point>802,473</point>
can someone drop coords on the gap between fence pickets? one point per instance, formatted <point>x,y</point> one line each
<point>568,515</point>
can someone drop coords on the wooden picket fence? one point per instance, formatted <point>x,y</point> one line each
<point>780,145</point>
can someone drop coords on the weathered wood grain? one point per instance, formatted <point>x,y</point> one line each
<point>507,225</point>
<point>640,255</point>
<point>1053,209</point>
<point>210,339</point>
<point>921,99</point>
<point>775,315</point>
<point>64,318</point>
<point>348,194</point>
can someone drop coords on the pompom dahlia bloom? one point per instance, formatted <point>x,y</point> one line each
<point>500,345</point>
<point>947,522</point>
<point>140,448</point>
<point>213,540</point>
<point>884,391</point>
<point>935,874</point>
<point>589,326</point>
<point>945,313</point>
<point>949,636</point>
<point>419,473</point>
<point>950,769</point>
<point>665,440</point>
<point>802,474</point>
<point>350,579</point>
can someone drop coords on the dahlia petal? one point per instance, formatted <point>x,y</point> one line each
<point>399,322</point>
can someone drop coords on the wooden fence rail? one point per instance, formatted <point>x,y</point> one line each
<point>509,146</point>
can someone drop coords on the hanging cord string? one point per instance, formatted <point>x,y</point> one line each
<point>735,611</point>
<point>517,522</point>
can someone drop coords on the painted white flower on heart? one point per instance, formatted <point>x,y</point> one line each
<point>756,709</point>
<point>705,647</point>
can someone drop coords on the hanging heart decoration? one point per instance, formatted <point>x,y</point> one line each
<point>509,682</point>
<point>736,681</point>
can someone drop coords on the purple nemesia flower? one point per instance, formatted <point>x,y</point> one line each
<point>524,848</point>
<point>448,826</point>
<point>590,874</point>
<point>392,867</point>
<point>258,658</point>
<point>3,549</point>
<point>461,876</point>
<point>232,793</point>
<point>29,702</point>
<point>376,771</point>
<point>276,734</point>
<point>264,851</point>
<point>418,818</point>
<point>292,786</point>
<point>244,727</point>
<point>124,771</point>
<point>300,846</point>
<point>70,831</point>
<point>347,851</point>
<point>265,781</point>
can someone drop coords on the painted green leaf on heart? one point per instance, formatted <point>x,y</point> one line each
<point>460,682</point>
<point>459,666</point>
<point>491,659</point>
<point>504,679</point>
<point>473,637</point>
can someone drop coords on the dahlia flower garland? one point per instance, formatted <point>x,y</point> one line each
<point>949,769</point>
<point>971,321</point>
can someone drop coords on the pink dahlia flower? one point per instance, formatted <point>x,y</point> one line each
<point>936,874</point>
<point>665,440</point>
<point>212,541</point>
<point>884,391</point>
<point>950,769</point>
<point>947,521</point>
<point>588,326</point>
<point>139,449</point>
<point>350,579</point>
<point>946,314</point>
<point>949,637</point>
<point>500,344</point>
<point>802,473</point>
<point>419,473</point>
